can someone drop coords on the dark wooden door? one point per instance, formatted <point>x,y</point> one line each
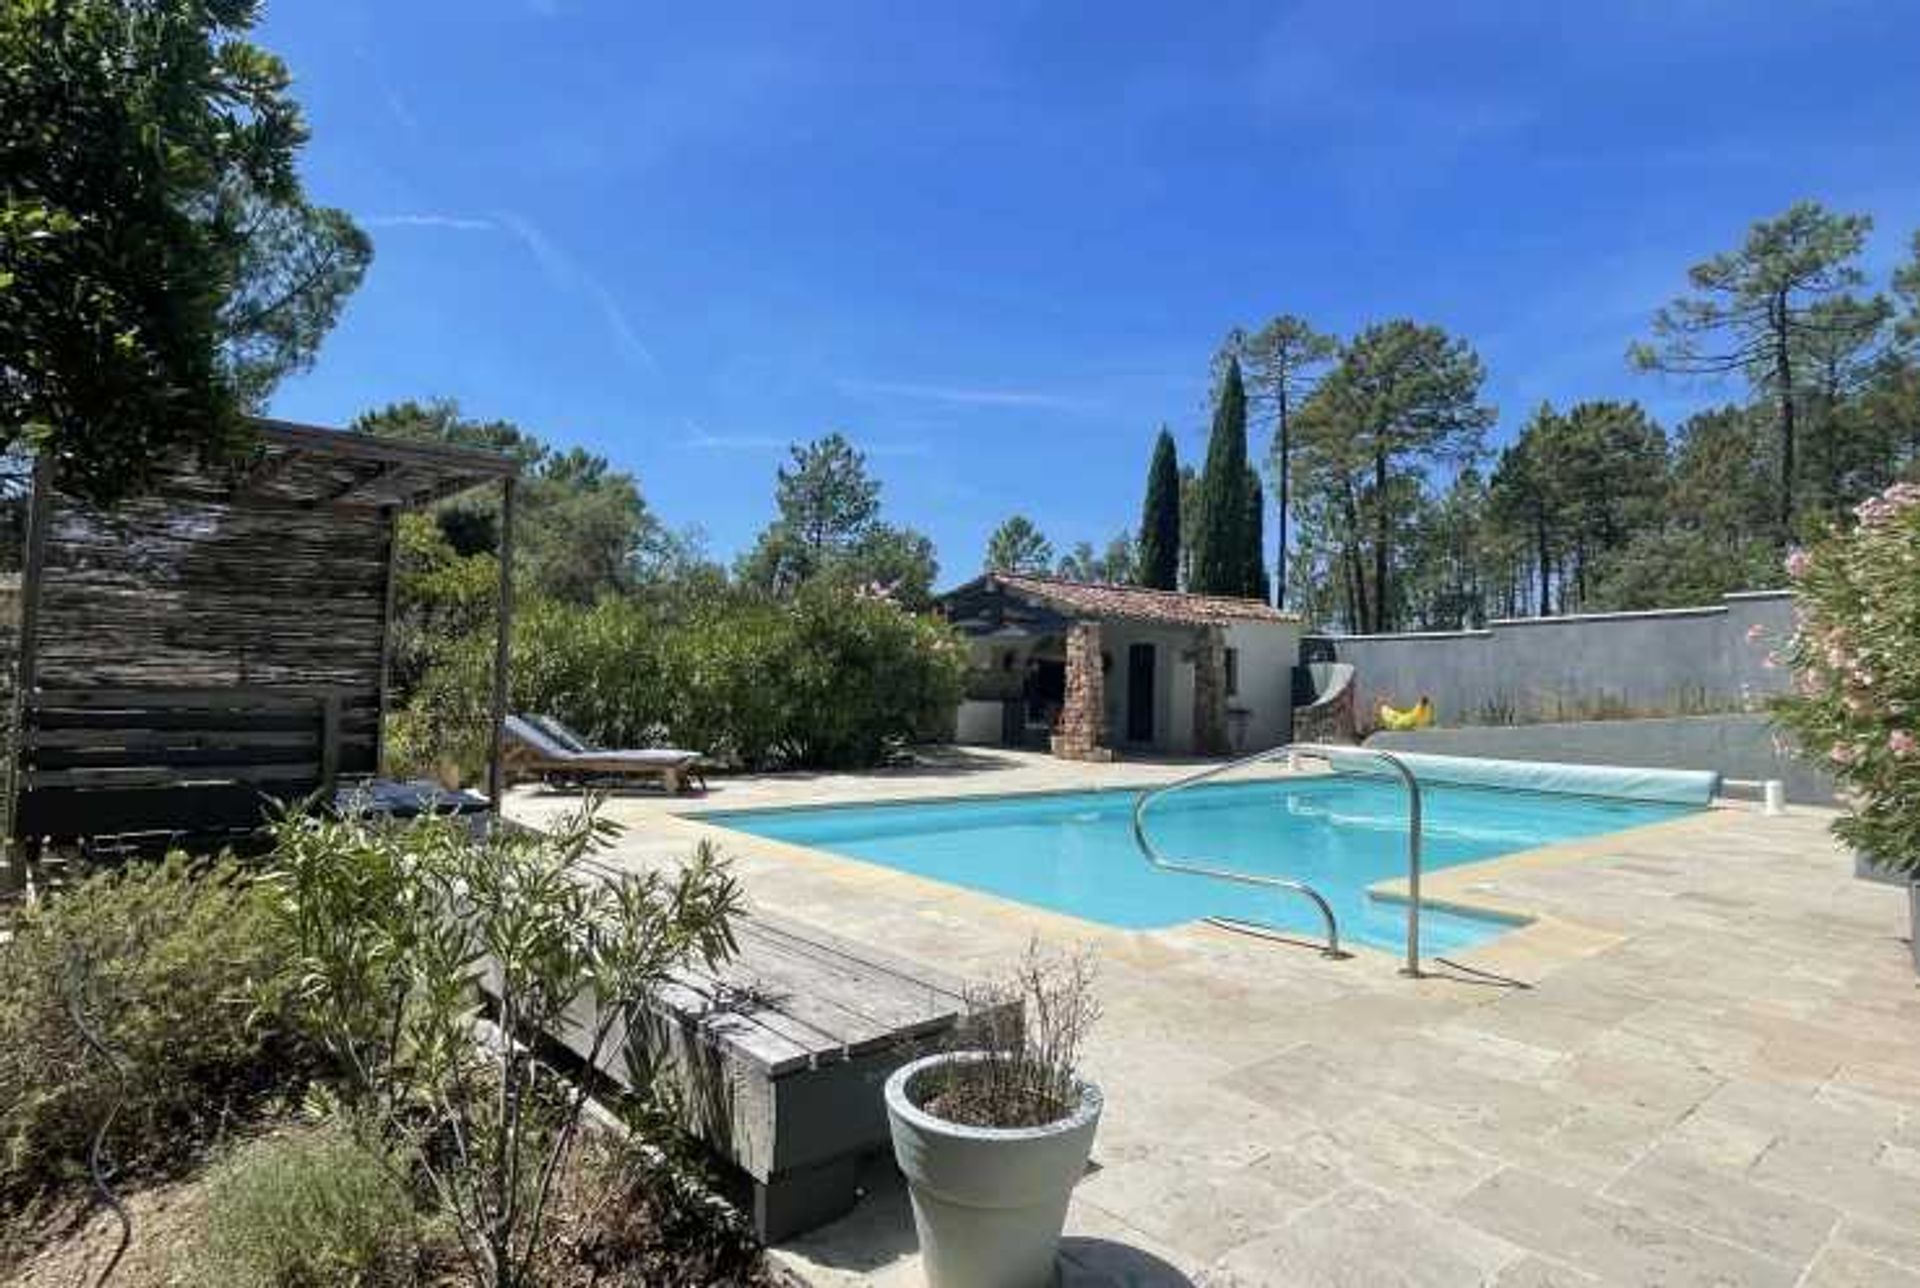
<point>1140,693</point>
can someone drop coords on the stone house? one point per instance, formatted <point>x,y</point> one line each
<point>1093,671</point>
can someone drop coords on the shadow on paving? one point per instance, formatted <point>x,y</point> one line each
<point>1102,1263</point>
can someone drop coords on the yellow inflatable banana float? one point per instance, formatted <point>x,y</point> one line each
<point>1418,716</point>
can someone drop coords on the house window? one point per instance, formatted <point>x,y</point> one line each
<point>1233,672</point>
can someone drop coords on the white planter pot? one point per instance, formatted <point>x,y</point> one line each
<point>988,1202</point>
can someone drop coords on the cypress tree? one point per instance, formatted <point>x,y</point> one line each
<point>1219,554</point>
<point>1159,559</point>
<point>1254,584</point>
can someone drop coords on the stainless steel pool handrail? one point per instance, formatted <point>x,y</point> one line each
<point>1317,751</point>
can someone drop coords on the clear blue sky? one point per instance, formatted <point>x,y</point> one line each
<point>996,250</point>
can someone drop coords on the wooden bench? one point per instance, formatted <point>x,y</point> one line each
<point>175,762</point>
<point>779,1059</point>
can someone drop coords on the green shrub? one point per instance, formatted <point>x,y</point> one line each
<point>728,669</point>
<point>830,679</point>
<point>864,678</point>
<point>400,926</point>
<point>178,970</point>
<point>307,1209</point>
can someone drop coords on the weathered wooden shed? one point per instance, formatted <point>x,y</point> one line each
<point>222,639</point>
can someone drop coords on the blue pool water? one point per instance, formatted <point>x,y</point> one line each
<point>1074,852</point>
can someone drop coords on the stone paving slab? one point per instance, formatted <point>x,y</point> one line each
<point>1713,1078</point>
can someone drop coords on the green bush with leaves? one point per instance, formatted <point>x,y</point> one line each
<point>1856,661</point>
<point>865,678</point>
<point>832,678</point>
<point>403,930</point>
<point>728,667</point>
<point>180,971</point>
<point>308,1209</point>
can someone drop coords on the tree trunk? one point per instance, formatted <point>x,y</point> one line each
<point>1283,448</point>
<point>1356,568</point>
<point>1382,540</point>
<point>1829,433</point>
<point>1783,381</point>
<point>1546,563</point>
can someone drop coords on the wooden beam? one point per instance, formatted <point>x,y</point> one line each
<point>386,643</point>
<point>329,742</point>
<point>343,494</point>
<point>475,463</point>
<point>267,470</point>
<point>496,764</point>
<point>33,574</point>
<point>442,490</point>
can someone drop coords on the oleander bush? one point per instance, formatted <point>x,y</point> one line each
<point>1855,655</point>
<point>831,678</point>
<point>408,936</point>
<point>180,970</point>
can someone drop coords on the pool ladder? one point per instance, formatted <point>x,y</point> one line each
<point>1293,752</point>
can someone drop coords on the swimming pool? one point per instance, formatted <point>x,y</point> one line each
<point>1074,852</point>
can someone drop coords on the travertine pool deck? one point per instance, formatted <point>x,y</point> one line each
<point>1713,1078</point>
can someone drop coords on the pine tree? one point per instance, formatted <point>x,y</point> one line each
<point>1219,555</point>
<point>1158,563</point>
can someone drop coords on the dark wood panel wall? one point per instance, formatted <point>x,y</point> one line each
<point>184,588</point>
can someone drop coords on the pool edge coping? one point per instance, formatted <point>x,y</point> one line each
<point>1559,937</point>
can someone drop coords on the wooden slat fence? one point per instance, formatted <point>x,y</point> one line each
<point>125,761</point>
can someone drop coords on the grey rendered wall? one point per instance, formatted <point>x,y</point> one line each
<point>1738,746</point>
<point>1678,661</point>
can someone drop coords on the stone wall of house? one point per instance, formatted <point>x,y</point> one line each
<point>1210,692</point>
<point>1081,733</point>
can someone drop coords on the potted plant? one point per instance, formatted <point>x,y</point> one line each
<point>1855,705</point>
<point>993,1136</point>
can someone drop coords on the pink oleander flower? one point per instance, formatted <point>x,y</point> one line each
<point>1798,562</point>
<point>1901,742</point>
<point>1841,754</point>
<point>1878,511</point>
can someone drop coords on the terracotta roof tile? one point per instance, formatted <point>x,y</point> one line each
<point>1097,599</point>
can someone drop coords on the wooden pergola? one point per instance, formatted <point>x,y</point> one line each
<point>224,638</point>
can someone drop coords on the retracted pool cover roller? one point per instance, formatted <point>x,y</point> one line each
<point>1672,786</point>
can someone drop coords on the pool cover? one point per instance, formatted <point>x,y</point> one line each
<point>1672,786</point>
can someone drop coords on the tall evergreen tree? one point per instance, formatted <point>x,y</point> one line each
<point>1254,577</point>
<point>1402,397</point>
<point>1219,556</point>
<point>1018,546</point>
<point>161,268</point>
<point>1158,560</point>
<point>1757,311</point>
<point>1284,360</point>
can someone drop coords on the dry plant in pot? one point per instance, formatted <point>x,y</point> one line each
<point>992,1135</point>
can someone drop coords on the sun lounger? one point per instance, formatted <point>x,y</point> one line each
<point>543,748</point>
